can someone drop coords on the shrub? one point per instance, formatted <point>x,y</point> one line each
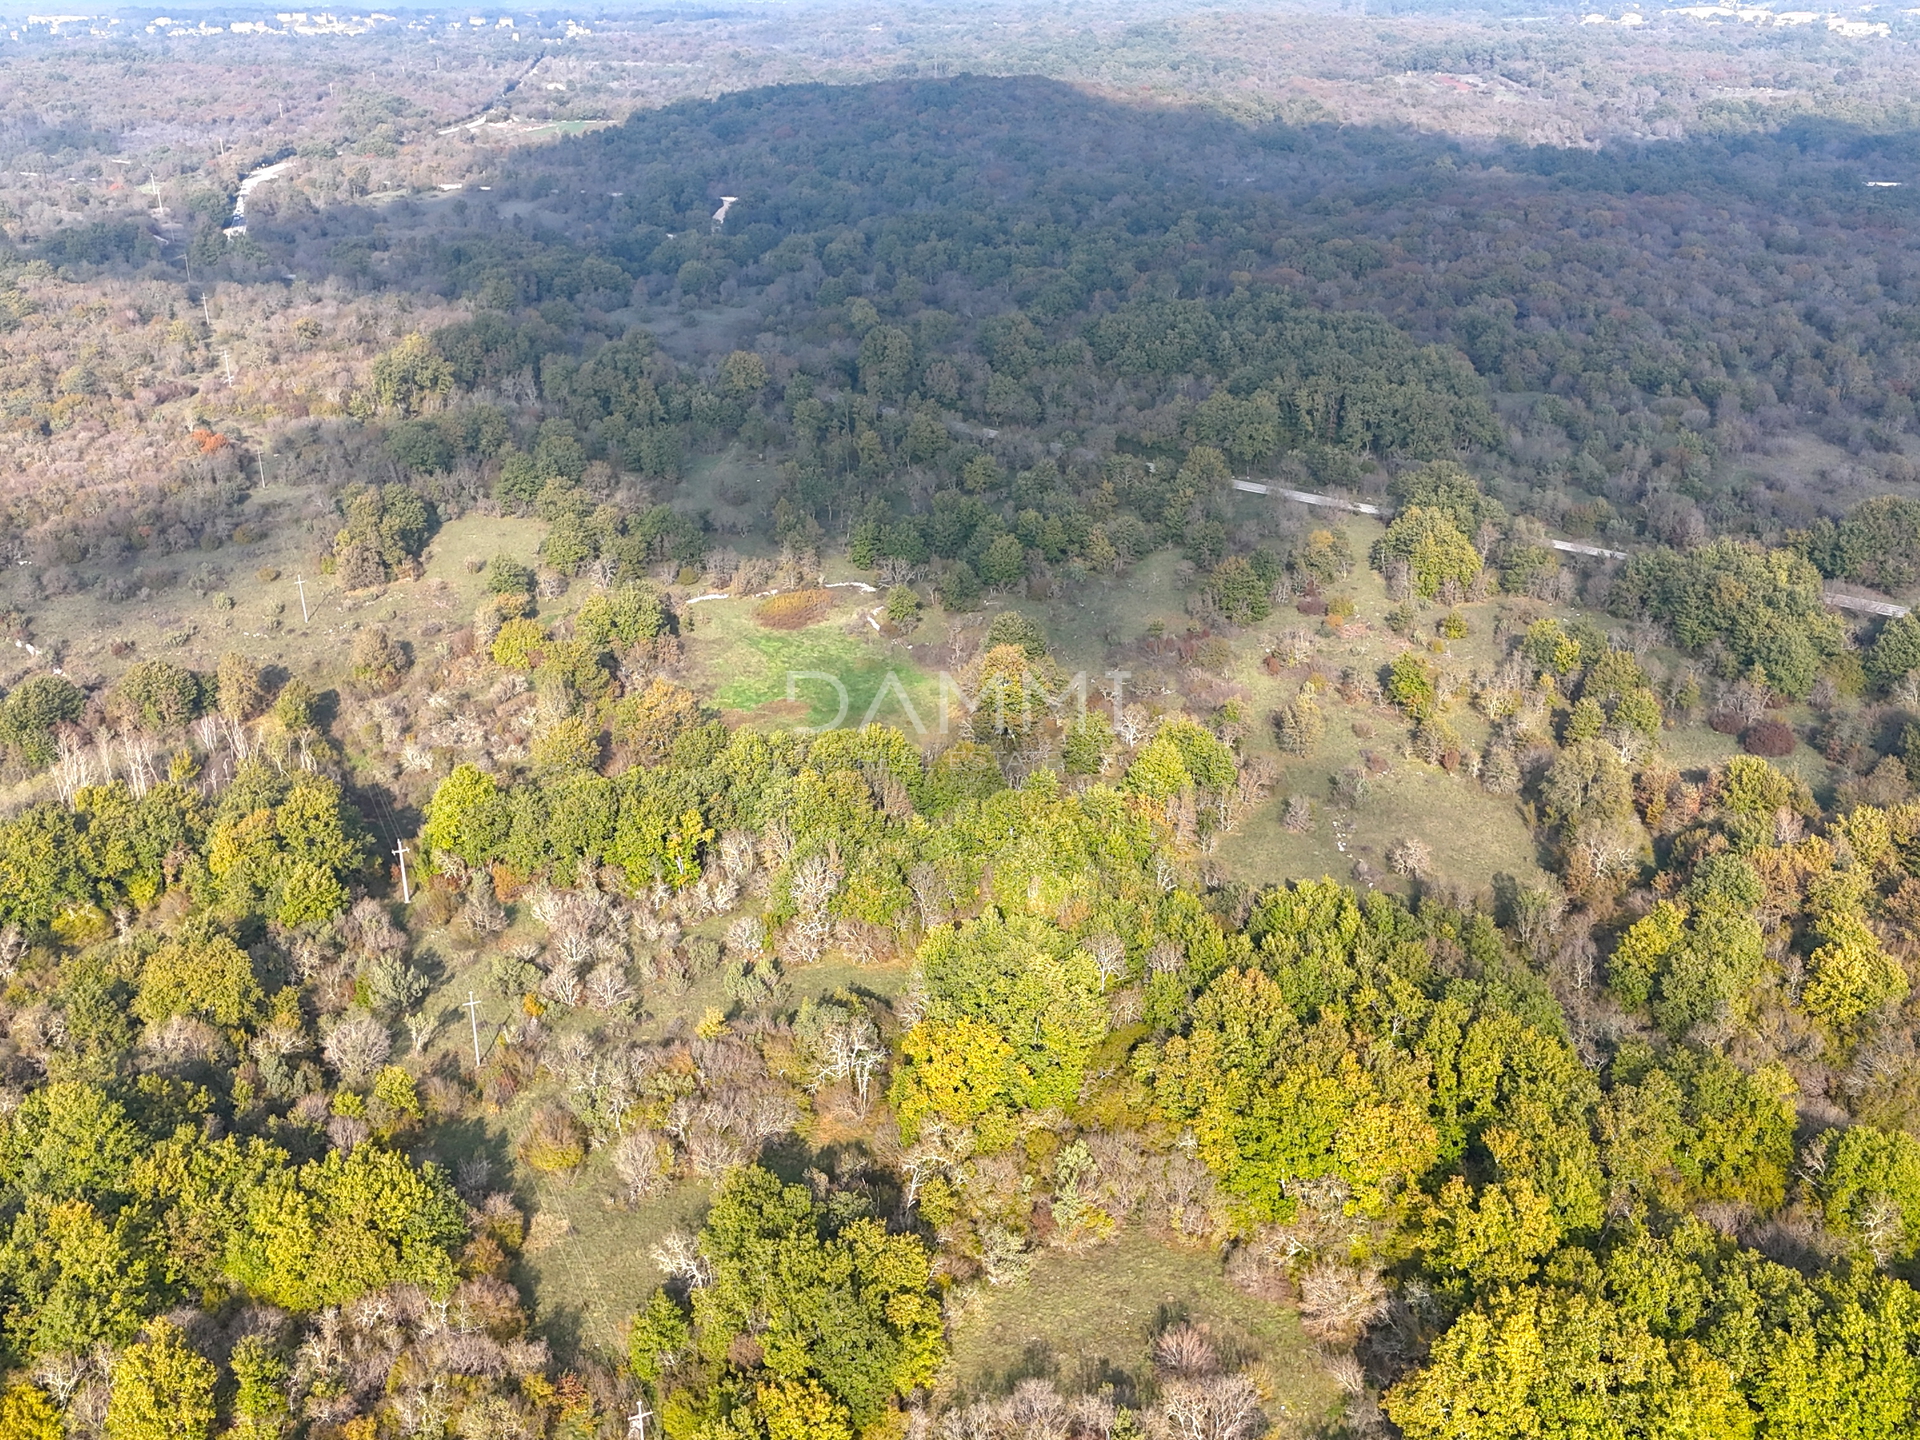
<point>518,643</point>
<point>156,694</point>
<point>554,1142</point>
<point>378,662</point>
<point>1410,686</point>
<point>625,616</point>
<point>1299,725</point>
<point>795,610</point>
<point>507,576</point>
<point>1771,738</point>
<point>32,711</point>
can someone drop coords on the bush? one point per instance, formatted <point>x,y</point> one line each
<point>518,643</point>
<point>1299,725</point>
<point>157,695</point>
<point>507,576</point>
<point>1410,686</point>
<point>1771,738</point>
<point>378,662</point>
<point>33,710</point>
<point>625,616</point>
<point>554,1142</point>
<point>794,610</point>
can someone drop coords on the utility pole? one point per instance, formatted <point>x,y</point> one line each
<point>229,357</point>
<point>637,1422</point>
<point>208,314</point>
<point>472,1007</point>
<point>406,892</point>
<point>261,461</point>
<point>300,583</point>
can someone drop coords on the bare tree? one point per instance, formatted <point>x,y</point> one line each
<point>642,1167</point>
<point>356,1047</point>
<point>776,845</point>
<point>607,987</point>
<point>1410,856</point>
<point>582,926</point>
<point>421,1028</point>
<point>1109,957</point>
<point>1293,646</point>
<point>747,937</point>
<point>1339,1301</point>
<point>1185,1349</point>
<point>563,985</point>
<point>679,1258</point>
<point>849,1050</point>
<point>930,892</point>
<point>13,944</point>
<point>1132,724</point>
<point>1217,1407</point>
<point>813,883</point>
<point>1537,912</point>
<point>73,771</point>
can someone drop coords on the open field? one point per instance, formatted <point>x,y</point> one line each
<point>746,667</point>
<point>1089,1320</point>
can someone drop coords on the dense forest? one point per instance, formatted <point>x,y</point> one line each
<point>1229,967</point>
<point>1657,307</point>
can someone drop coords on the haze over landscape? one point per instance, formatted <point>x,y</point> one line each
<point>971,722</point>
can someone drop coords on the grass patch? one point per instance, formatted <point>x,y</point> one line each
<point>481,537</point>
<point>1088,1320</point>
<point>748,668</point>
<point>734,490</point>
<point>587,1283</point>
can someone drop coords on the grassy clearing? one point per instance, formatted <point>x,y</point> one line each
<point>178,623</point>
<point>588,1280</point>
<point>735,489</point>
<point>481,537</point>
<point>1089,1320</point>
<point>695,336</point>
<point>746,667</point>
